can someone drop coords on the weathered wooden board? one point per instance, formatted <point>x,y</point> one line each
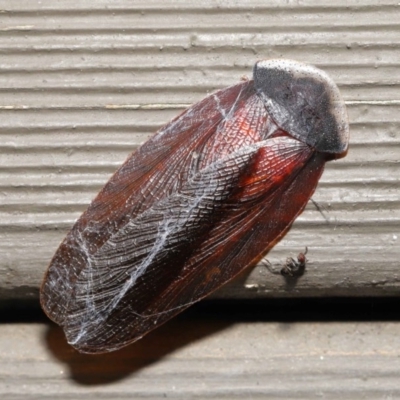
<point>84,83</point>
<point>214,354</point>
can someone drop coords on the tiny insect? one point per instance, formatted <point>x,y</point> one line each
<point>205,197</point>
<point>295,268</point>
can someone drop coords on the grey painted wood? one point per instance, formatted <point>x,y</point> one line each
<point>183,360</point>
<point>84,83</point>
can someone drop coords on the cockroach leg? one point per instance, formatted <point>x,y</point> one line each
<point>320,210</point>
<point>295,268</point>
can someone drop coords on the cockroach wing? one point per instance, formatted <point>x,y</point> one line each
<point>150,174</point>
<point>188,244</point>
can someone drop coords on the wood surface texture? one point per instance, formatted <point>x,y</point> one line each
<point>84,83</point>
<point>215,352</point>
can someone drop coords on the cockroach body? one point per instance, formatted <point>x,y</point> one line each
<point>208,195</point>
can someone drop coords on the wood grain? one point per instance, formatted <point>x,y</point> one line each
<point>217,354</point>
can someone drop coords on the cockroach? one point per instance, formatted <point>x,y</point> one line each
<point>208,195</point>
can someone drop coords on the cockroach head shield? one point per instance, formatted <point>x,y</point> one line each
<point>304,101</point>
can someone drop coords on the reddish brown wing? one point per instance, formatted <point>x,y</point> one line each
<point>150,174</point>
<point>190,243</point>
